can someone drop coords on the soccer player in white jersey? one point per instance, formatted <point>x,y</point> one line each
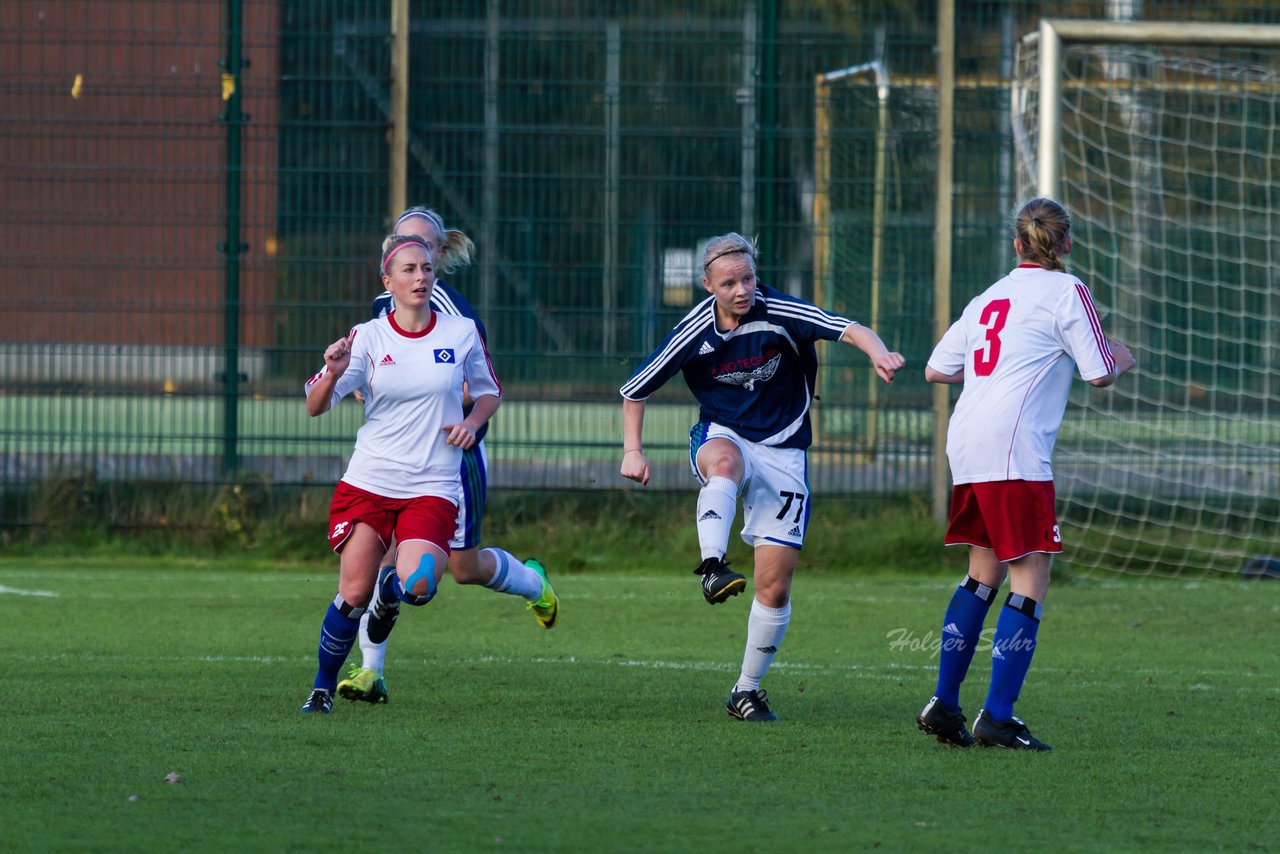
<point>495,568</point>
<point>403,476</point>
<point>747,353</point>
<point>1015,348</point>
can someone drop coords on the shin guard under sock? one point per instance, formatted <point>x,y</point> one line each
<point>1011,652</point>
<point>961,629</point>
<point>337,636</point>
<point>717,503</point>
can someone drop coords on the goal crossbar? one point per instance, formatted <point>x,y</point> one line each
<point>1055,32</point>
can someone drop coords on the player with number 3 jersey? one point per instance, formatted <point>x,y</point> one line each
<point>747,353</point>
<point>1016,348</point>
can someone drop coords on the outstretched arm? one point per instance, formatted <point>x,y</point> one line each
<point>1124,362</point>
<point>935,376</point>
<point>865,339</point>
<point>634,464</point>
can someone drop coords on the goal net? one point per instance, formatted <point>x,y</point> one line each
<point>1162,141</point>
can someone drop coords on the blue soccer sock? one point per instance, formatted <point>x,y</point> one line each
<point>1011,652</point>
<point>961,628</point>
<point>337,636</point>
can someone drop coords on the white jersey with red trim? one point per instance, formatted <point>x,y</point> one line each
<point>413,383</point>
<point>1018,343</point>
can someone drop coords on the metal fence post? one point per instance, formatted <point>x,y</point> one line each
<point>232,116</point>
<point>941,473</point>
<point>396,191</point>
<point>768,86</point>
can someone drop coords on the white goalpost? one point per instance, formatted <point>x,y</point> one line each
<point>1163,142</point>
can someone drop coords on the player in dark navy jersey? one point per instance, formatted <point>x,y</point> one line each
<point>493,567</point>
<point>747,353</point>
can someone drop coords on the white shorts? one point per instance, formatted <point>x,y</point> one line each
<point>775,487</point>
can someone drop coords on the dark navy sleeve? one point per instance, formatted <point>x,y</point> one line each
<point>383,305</point>
<point>672,354</point>
<point>449,301</point>
<point>802,319</point>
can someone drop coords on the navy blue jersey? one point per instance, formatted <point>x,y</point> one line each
<point>758,379</point>
<point>445,300</point>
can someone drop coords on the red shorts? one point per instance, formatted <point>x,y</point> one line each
<point>429,518</point>
<point>1011,517</point>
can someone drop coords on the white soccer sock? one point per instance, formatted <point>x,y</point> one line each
<point>717,502</point>
<point>765,629</point>
<point>512,576</point>
<point>374,655</point>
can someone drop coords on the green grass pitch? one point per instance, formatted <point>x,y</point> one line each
<point>608,733</point>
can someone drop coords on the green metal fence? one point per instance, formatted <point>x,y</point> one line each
<point>194,195</point>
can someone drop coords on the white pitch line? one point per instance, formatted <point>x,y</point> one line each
<point>572,660</point>
<point>14,591</point>
<point>887,672</point>
<point>892,671</point>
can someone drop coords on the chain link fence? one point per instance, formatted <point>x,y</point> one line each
<point>195,194</point>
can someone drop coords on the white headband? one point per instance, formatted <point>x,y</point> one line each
<point>427,215</point>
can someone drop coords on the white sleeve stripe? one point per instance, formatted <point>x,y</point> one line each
<point>695,313</point>
<point>794,310</point>
<point>677,343</point>
<point>795,304</point>
<point>792,307</point>
<point>813,314</point>
<point>824,321</point>
<point>442,301</point>
<point>1107,359</point>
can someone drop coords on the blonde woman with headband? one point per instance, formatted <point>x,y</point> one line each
<point>402,480</point>
<point>747,353</point>
<point>469,563</point>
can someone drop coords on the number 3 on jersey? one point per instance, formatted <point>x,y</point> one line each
<point>993,317</point>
